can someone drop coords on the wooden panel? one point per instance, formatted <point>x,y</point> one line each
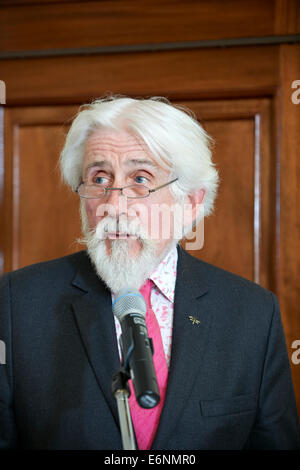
<point>42,217</point>
<point>244,71</point>
<point>39,2</point>
<point>287,17</point>
<point>115,22</point>
<point>289,273</point>
<point>240,235</point>
<point>229,233</point>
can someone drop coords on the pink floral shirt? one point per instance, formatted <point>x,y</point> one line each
<point>162,300</point>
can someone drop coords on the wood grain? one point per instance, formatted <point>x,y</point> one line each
<point>289,272</point>
<point>113,22</point>
<point>42,218</point>
<point>193,74</point>
<point>240,235</point>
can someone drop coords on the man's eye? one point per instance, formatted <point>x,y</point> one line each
<point>141,179</point>
<point>100,180</point>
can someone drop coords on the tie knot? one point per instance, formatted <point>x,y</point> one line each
<point>145,290</point>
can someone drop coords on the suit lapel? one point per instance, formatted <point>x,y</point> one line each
<point>190,333</point>
<point>94,318</point>
<point>93,314</point>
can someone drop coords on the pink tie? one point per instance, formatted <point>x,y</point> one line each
<point>145,421</point>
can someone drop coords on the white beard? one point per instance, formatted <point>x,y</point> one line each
<point>118,269</point>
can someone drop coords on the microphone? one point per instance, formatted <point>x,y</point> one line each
<point>137,349</point>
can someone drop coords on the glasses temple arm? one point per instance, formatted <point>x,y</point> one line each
<point>163,185</point>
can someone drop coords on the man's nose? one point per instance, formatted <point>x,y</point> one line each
<point>114,195</point>
<point>115,203</point>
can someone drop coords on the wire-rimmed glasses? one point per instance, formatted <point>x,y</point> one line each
<point>134,191</point>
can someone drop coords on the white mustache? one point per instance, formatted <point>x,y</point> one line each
<point>122,225</point>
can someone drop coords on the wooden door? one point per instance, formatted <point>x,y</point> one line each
<point>239,236</point>
<point>41,217</point>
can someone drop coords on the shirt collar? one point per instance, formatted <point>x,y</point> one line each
<point>164,276</point>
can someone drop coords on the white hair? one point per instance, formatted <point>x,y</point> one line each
<point>173,135</point>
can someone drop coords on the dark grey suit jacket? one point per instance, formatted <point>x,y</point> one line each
<point>229,383</point>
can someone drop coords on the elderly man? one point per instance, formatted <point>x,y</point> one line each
<point>219,350</point>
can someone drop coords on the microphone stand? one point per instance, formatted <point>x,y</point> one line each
<point>121,391</point>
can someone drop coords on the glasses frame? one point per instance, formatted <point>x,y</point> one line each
<point>124,187</point>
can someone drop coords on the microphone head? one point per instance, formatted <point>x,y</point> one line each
<point>127,301</point>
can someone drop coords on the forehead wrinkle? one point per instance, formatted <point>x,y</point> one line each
<point>140,161</point>
<point>99,163</point>
<point>98,149</point>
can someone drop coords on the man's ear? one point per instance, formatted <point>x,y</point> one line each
<point>193,206</point>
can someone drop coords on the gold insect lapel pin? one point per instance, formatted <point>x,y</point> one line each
<point>194,320</point>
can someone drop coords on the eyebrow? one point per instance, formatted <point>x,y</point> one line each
<point>129,163</point>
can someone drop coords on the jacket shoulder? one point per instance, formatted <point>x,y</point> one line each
<point>222,281</point>
<point>57,270</point>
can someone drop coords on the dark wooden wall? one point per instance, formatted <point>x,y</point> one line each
<point>232,62</point>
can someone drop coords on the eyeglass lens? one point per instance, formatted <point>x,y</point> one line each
<point>93,191</point>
